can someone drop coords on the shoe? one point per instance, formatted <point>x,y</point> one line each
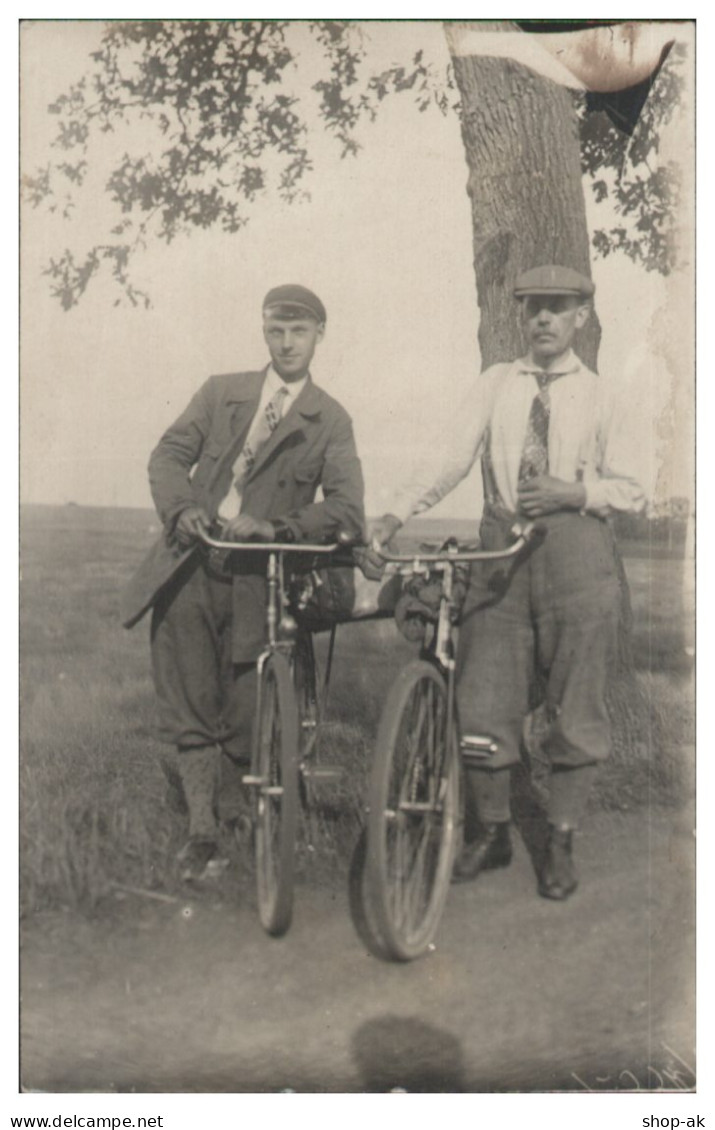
<point>491,849</point>
<point>558,878</point>
<point>195,856</point>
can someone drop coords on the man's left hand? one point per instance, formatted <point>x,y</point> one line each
<point>245,527</point>
<point>545,495</point>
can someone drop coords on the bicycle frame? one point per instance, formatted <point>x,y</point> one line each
<point>274,574</point>
<point>443,561</point>
<point>276,603</point>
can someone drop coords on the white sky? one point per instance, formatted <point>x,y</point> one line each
<point>385,241</point>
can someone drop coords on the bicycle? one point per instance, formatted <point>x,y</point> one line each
<point>415,788</point>
<point>285,730</point>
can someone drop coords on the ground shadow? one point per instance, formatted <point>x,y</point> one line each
<point>403,1053</point>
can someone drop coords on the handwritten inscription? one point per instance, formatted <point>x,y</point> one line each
<point>672,1073</point>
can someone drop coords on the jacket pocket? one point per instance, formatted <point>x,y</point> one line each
<point>307,472</point>
<point>206,470</point>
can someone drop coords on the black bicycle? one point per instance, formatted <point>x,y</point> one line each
<point>415,794</point>
<point>287,723</point>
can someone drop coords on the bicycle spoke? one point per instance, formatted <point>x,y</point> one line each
<point>276,796</point>
<point>413,837</point>
<point>414,802</point>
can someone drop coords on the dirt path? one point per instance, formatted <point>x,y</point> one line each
<point>519,994</point>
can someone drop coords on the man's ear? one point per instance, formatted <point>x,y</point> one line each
<point>582,315</point>
<point>321,332</point>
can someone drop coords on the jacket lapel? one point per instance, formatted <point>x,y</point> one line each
<point>243,403</point>
<point>305,408</point>
<point>242,407</point>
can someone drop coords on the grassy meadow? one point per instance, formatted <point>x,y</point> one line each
<point>94,813</point>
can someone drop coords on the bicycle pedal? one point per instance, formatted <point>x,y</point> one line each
<point>321,774</point>
<point>477,747</point>
<point>253,782</point>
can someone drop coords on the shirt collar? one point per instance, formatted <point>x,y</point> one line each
<point>274,381</point>
<point>569,364</point>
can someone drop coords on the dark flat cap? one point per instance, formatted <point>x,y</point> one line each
<point>553,279</point>
<point>293,301</point>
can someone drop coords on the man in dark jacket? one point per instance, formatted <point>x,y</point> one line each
<point>248,453</point>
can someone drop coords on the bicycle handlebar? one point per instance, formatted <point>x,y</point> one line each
<point>524,534</point>
<point>269,546</point>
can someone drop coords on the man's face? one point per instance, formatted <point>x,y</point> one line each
<point>291,343</point>
<point>550,323</point>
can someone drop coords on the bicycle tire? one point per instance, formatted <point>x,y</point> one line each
<point>413,812</point>
<point>276,798</point>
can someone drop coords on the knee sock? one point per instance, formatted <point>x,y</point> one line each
<point>489,794</point>
<point>198,769</point>
<point>569,790</point>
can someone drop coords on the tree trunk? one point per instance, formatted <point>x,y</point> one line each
<point>521,140</point>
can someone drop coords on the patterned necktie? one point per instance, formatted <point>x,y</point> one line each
<point>264,429</point>
<point>535,452</point>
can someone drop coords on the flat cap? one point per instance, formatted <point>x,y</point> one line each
<point>553,279</point>
<point>293,301</point>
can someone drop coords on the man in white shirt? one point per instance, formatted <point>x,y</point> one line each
<point>248,454</point>
<point>553,450</point>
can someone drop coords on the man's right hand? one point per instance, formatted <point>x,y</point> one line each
<point>380,531</point>
<point>190,524</point>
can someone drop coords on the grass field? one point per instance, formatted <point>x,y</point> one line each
<point>93,811</point>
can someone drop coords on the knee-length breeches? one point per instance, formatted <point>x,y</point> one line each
<point>203,697</point>
<point>549,620</point>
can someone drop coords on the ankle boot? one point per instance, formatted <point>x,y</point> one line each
<point>492,848</point>
<point>558,878</point>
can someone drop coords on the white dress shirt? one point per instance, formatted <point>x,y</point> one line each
<point>231,504</point>
<point>588,441</point>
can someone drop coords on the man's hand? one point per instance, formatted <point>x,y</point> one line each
<point>380,531</point>
<point>245,527</point>
<point>545,495</point>
<point>190,524</point>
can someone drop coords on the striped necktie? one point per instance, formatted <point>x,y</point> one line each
<point>535,452</point>
<point>267,424</point>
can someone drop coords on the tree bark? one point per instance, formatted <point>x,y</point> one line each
<point>521,141</point>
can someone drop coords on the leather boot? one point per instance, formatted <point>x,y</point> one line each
<point>558,878</point>
<point>492,848</point>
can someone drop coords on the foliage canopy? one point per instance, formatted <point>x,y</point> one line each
<point>214,122</point>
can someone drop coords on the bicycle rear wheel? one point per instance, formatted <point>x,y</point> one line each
<point>413,819</point>
<point>275,773</point>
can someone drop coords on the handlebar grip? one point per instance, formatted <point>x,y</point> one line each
<point>349,539</point>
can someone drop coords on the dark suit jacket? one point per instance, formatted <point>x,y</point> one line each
<point>312,446</point>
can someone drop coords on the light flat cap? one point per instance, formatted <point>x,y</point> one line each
<point>293,301</point>
<point>553,279</point>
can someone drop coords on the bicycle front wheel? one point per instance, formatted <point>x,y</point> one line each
<point>413,819</point>
<point>276,795</point>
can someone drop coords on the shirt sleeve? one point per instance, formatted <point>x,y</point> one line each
<point>618,486</point>
<point>439,469</point>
